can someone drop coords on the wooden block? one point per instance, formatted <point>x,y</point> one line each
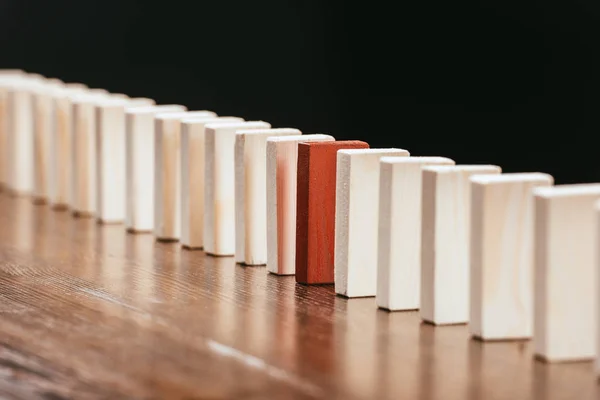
<point>399,249</point>
<point>7,77</point>
<point>445,238</point>
<point>167,173</point>
<point>61,142</point>
<point>219,192</point>
<point>357,220</point>
<point>42,131</point>
<point>110,157</point>
<point>20,134</point>
<point>315,209</point>
<point>251,193</point>
<point>502,213</point>
<point>83,171</point>
<point>282,163</point>
<point>193,145</point>
<point>566,272</point>
<point>139,165</point>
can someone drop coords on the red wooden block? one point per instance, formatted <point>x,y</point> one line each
<point>315,210</point>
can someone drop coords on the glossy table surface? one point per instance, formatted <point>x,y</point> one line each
<point>89,311</point>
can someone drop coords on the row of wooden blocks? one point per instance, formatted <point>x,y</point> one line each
<point>510,254</point>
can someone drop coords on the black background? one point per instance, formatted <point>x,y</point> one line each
<point>512,83</point>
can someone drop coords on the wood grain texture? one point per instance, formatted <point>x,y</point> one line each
<point>89,312</point>
<point>357,220</point>
<point>83,171</point>
<point>139,165</point>
<point>167,172</point>
<point>219,179</point>
<point>565,288</point>
<point>193,160</point>
<point>502,214</point>
<point>110,157</point>
<point>445,239</point>
<point>251,193</point>
<point>315,209</point>
<point>282,169</point>
<point>399,247</point>
<point>42,114</point>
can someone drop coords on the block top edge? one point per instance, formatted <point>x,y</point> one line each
<point>300,138</point>
<point>416,160</point>
<point>386,151</point>
<point>185,114</point>
<point>266,131</point>
<point>463,168</point>
<point>512,177</point>
<point>578,189</point>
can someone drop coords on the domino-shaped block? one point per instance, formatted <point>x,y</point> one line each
<point>282,169</point>
<point>219,192</point>
<point>315,209</point>
<point>139,165</point>
<point>110,157</point>
<point>502,263</point>
<point>357,220</point>
<point>399,248</point>
<point>20,137</point>
<point>251,193</point>
<point>445,238</point>
<point>566,272</point>
<point>61,143</point>
<point>167,173</point>
<point>7,77</point>
<point>193,159</point>
<point>43,124</point>
<point>83,171</point>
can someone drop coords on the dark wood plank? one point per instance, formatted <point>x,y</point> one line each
<point>89,311</point>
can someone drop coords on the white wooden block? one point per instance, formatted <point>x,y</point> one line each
<point>167,173</point>
<point>282,167</point>
<point>43,123</point>
<point>357,219</point>
<point>193,144</point>
<point>110,157</point>
<point>7,77</point>
<point>219,192</point>
<point>139,164</point>
<point>445,238</point>
<point>61,141</point>
<point>83,147</point>
<point>566,272</point>
<point>20,134</point>
<point>399,248</point>
<point>251,193</point>
<point>501,287</point>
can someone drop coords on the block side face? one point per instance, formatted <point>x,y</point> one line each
<point>240,197</point>
<point>384,234</point>
<point>571,278</point>
<point>302,210</point>
<point>185,185</point>
<point>321,206</point>
<point>428,249</point>
<point>342,271</point>
<point>271,175</point>
<point>476,243</point>
<point>209,181</point>
<point>540,320</point>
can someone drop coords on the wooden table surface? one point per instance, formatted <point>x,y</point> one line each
<point>91,312</point>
